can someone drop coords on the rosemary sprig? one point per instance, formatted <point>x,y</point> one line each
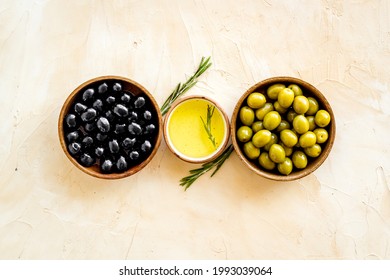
<point>186,182</point>
<point>180,89</point>
<point>207,124</point>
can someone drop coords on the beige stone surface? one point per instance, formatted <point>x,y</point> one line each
<point>51,210</point>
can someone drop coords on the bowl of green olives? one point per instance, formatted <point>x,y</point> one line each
<point>110,127</point>
<point>283,128</point>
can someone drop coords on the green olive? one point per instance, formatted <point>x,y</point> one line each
<point>313,106</point>
<point>274,140</point>
<point>299,159</point>
<point>321,135</point>
<point>288,138</point>
<point>273,91</point>
<point>301,104</point>
<point>283,125</point>
<point>279,108</point>
<point>261,138</point>
<point>286,166</point>
<point>251,151</point>
<point>277,153</point>
<point>291,114</point>
<point>256,100</point>
<point>300,124</point>
<point>313,151</point>
<point>286,97</point>
<point>257,125</point>
<point>247,115</point>
<point>307,139</point>
<point>322,118</point>
<point>287,150</point>
<point>266,162</point>
<point>312,124</point>
<point>296,89</point>
<point>272,120</point>
<point>244,133</point>
<point>260,113</point>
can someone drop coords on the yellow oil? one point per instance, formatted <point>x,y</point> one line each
<point>186,130</point>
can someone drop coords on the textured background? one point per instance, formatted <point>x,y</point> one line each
<point>51,210</point>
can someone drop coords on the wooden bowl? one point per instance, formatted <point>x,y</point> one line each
<point>127,85</point>
<point>313,164</point>
<point>197,160</point>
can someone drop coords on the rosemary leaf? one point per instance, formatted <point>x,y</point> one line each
<point>226,155</point>
<point>187,181</point>
<point>207,124</point>
<point>180,89</point>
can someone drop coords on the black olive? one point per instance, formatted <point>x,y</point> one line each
<point>133,116</point>
<point>128,143</point>
<point>120,128</point>
<point>113,146</point>
<point>147,115</point>
<point>98,105</point>
<point>126,98</point>
<point>110,100</point>
<point>146,146</point>
<point>121,110</point>
<point>86,160</point>
<point>101,137</point>
<point>117,87</point>
<point>103,125</point>
<point>87,141</point>
<point>106,166</point>
<point>88,94</point>
<point>139,102</point>
<point>99,151</point>
<point>110,116</point>
<point>121,164</point>
<point>134,155</point>
<point>102,88</point>
<point>135,128</point>
<point>74,148</point>
<point>149,128</point>
<point>79,108</point>
<point>71,120</point>
<point>72,136</point>
<point>89,127</point>
<point>88,115</point>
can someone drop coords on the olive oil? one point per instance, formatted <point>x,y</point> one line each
<point>187,132</point>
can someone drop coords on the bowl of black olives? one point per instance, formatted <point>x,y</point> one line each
<point>283,128</point>
<point>110,127</point>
